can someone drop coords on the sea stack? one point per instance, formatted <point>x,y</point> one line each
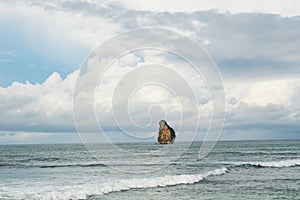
<point>166,134</point>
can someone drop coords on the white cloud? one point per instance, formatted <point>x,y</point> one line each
<point>23,137</point>
<point>48,106</point>
<point>282,7</point>
<point>264,92</point>
<point>167,91</point>
<point>259,109</point>
<point>258,55</point>
<point>45,28</point>
<point>38,107</point>
<point>7,56</point>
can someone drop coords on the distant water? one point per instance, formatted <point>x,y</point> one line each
<point>233,170</point>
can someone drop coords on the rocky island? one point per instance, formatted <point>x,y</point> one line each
<point>166,134</point>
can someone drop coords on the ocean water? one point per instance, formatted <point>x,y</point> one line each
<point>233,170</point>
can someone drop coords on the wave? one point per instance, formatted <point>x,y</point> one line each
<point>6,165</point>
<point>127,184</point>
<point>274,164</point>
<point>74,165</point>
<point>40,160</point>
<point>53,165</point>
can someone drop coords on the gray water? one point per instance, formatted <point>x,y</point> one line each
<point>233,170</point>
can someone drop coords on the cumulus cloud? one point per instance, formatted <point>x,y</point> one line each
<point>38,107</point>
<point>267,105</point>
<point>140,89</point>
<point>257,54</point>
<point>265,92</point>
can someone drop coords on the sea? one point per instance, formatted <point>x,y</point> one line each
<point>232,170</point>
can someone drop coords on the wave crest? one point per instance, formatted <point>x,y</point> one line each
<point>127,184</point>
<point>275,164</point>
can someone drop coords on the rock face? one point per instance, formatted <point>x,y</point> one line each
<point>166,134</point>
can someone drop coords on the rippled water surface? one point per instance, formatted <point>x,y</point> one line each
<point>241,170</point>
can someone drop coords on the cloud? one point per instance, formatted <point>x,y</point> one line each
<point>263,108</point>
<point>23,137</point>
<point>47,25</point>
<point>261,43</point>
<point>146,85</point>
<point>7,55</point>
<point>264,92</point>
<point>38,107</point>
<point>47,107</point>
<point>257,53</point>
<point>285,8</point>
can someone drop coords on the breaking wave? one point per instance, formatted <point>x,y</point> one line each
<point>127,184</point>
<point>274,164</point>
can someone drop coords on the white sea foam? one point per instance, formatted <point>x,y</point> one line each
<point>83,191</point>
<point>275,164</point>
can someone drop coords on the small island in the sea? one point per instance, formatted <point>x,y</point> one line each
<point>166,134</point>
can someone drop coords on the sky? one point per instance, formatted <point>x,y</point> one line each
<point>254,44</point>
